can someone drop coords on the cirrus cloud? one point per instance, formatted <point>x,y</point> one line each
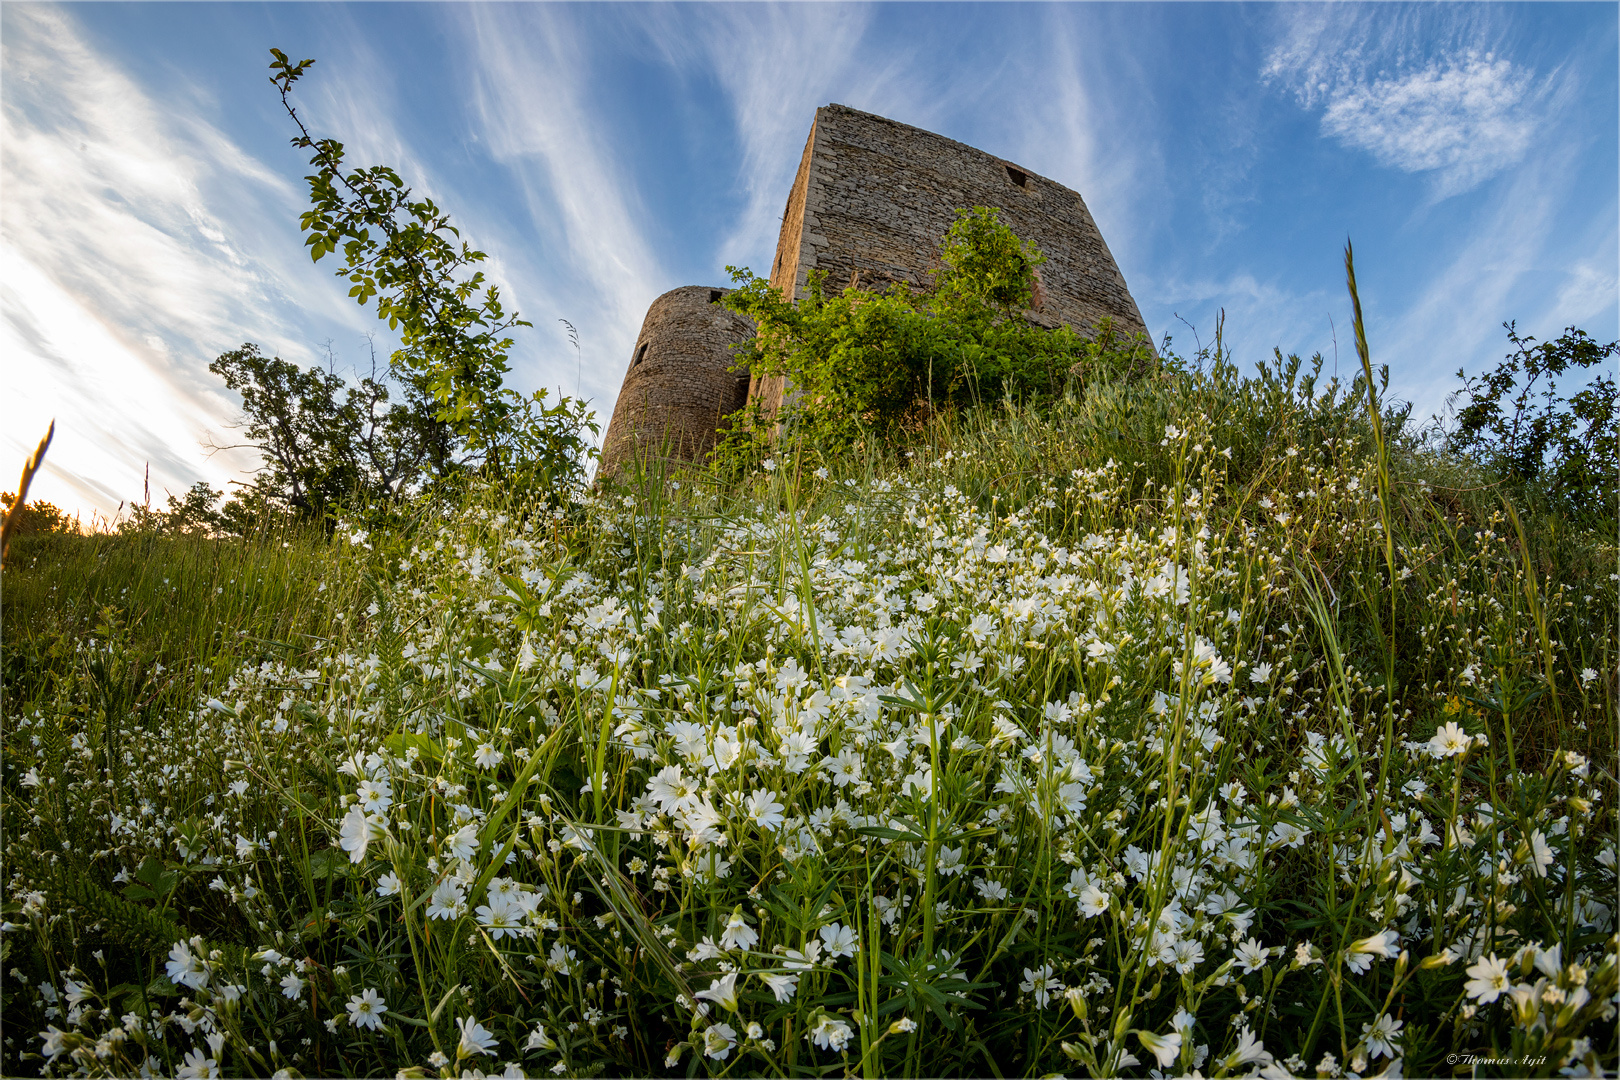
<point>1460,113</point>
<point>1465,119</point>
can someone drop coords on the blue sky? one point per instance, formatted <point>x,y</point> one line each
<point>602,154</point>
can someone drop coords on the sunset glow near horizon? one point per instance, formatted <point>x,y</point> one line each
<point>604,154</point>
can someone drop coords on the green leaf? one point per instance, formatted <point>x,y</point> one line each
<point>156,878</point>
<point>328,862</point>
<point>426,748</point>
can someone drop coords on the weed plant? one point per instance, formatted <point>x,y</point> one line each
<point>1195,724</point>
<point>181,605</point>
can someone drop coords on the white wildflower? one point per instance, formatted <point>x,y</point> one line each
<point>1487,979</point>
<point>366,1009</point>
<point>475,1038</point>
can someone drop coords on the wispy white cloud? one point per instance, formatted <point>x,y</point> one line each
<point>533,104</point>
<point>1465,119</point>
<point>775,65</point>
<point>115,410</point>
<point>1587,291</point>
<point>1071,131</point>
<point>129,263</point>
<point>1456,94</point>
<point>582,178</point>
<point>1461,113</point>
<point>1503,270</point>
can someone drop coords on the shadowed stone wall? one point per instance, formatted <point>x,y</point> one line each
<point>873,197</point>
<point>678,387</point>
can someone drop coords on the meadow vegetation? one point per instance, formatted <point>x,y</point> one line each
<point>1175,724</point>
<point>1155,720</point>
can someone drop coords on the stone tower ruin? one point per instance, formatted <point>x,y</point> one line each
<point>869,204</point>
<point>873,197</point>
<point>679,388</point>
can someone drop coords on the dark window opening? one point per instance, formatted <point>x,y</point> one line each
<point>714,296</point>
<point>1017,176</point>
<point>641,354</point>
<point>778,262</point>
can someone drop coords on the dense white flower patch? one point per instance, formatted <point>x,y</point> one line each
<point>780,787</point>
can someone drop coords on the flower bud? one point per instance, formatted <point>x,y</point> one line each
<point>1576,1002</point>
<point>1526,1002</point>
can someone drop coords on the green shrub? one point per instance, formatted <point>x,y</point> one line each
<point>875,364</point>
<point>1565,449</point>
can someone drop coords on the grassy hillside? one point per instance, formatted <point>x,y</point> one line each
<point>1191,723</point>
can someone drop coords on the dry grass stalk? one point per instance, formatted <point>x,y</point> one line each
<point>16,512</point>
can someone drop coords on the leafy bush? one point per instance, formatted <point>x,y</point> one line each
<point>1516,423</point>
<point>876,363</point>
<point>38,518</point>
<point>328,443</point>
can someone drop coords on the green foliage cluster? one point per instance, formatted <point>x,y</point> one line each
<point>252,511</point>
<point>869,363</point>
<point>1563,449</point>
<point>193,513</point>
<point>196,512</point>
<point>37,518</point>
<point>404,253</point>
<point>327,442</point>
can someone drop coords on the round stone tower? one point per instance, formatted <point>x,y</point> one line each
<point>679,388</point>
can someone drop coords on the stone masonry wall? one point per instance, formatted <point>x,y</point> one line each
<point>873,197</point>
<point>678,387</point>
